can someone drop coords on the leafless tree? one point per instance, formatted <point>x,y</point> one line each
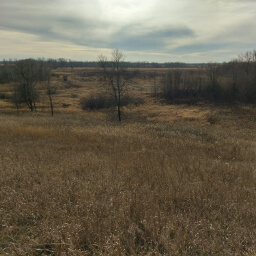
<point>28,74</point>
<point>6,72</point>
<point>155,87</point>
<point>50,90</point>
<point>212,72</point>
<point>177,78</point>
<point>167,85</point>
<point>8,75</point>
<point>234,66</point>
<point>116,76</point>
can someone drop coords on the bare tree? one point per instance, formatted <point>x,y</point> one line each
<point>16,96</point>
<point>50,90</point>
<point>177,78</point>
<point>155,86</point>
<point>116,76</point>
<point>233,67</point>
<point>8,75</point>
<point>6,72</point>
<point>212,72</point>
<point>167,85</point>
<point>28,74</point>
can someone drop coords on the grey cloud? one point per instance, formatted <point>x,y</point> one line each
<point>170,33</point>
<point>64,26</point>
<point>197,48</point>
<point>217,49</point>
<point>87,23</point>
<point>44,18</point>
<point>149,40</point>
<point>47,24</point>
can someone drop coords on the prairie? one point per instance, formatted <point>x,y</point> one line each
<point>168,180</point>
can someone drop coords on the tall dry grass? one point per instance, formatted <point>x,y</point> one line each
<point>78,185</point>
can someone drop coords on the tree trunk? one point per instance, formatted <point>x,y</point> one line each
<point>51,105</point>
<point>30,105</point>
<point>119,110</point>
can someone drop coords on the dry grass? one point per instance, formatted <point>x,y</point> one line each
<point>170,180</point>
<point>77,185</point>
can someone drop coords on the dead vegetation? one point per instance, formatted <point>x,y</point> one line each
<point>169,180</point>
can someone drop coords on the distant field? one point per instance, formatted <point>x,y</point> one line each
<point>168,180</point>
<point>83,82</point>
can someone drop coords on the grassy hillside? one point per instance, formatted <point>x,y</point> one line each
<point>169,180</point>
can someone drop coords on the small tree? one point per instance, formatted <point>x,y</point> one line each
<point>50,90</point>
<point>116,76</point>
<point>233,69</point>
<point>28,74</point>
<point>167,85</point>
<point>155,87</point>
<point>16,96</point>
<point>177,79</point>
<point>8,75</point>
<point>212,72</point>
<point>6,72</point>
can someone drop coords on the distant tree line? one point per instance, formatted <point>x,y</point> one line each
<point>228,82</point>
<point>67,63</point>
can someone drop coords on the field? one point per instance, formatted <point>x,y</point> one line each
<point>167,180</point>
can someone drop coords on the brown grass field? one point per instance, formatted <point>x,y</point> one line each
<point>168,180</point>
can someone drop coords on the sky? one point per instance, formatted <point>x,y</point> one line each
<point>191,31</point>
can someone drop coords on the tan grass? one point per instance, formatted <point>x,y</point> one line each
<point>169,180</point>
<point>79,185</point>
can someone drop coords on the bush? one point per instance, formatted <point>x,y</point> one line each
<point>130,100</point>
<point>2,96</point>
<point>97,102</point>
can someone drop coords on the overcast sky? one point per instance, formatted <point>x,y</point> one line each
<point>145,30</point>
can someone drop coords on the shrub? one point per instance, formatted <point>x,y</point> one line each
<point>97,102</point>
<point>2,96</point>
<point>130,100</point>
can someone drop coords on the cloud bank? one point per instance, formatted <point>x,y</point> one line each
<point>150,30</point>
